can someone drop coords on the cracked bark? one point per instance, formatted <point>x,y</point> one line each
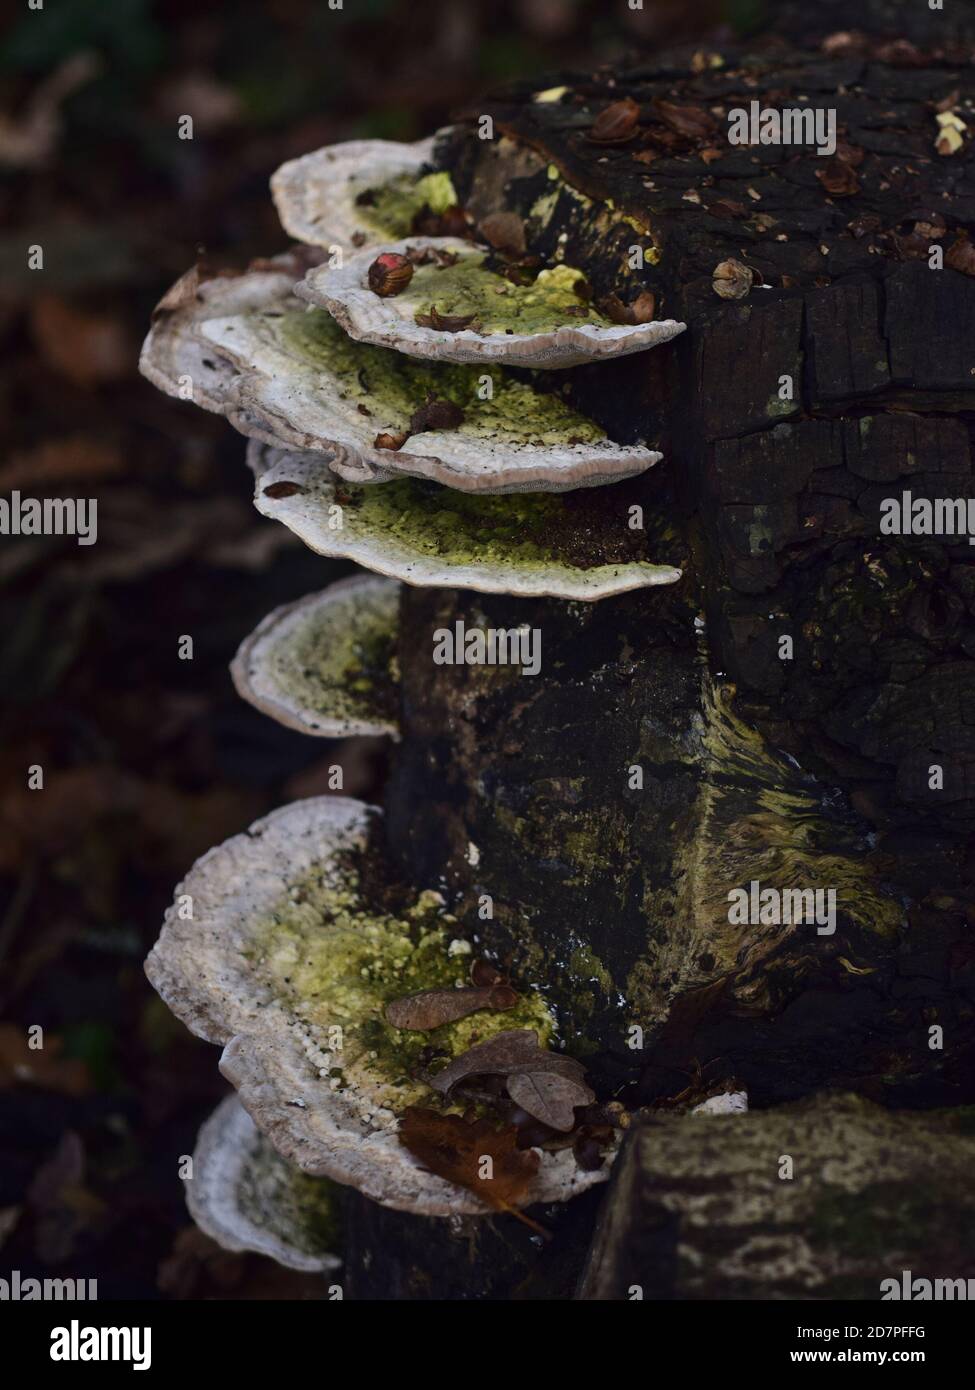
<point>809,770</point>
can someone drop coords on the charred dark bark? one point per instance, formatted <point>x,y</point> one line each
<point>809,768</point>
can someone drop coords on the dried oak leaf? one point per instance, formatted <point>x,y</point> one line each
<point>695,122</point>
<point>446,323</point>
<point>455,1150</point>
<point>640,311</point>
<point>430,1008</point>
<point>514,1050</point>
<point>436,415</point>
<point>549,1097</point>
<point>616,124</point>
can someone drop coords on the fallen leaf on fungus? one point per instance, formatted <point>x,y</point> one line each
<point>430,1008</point>
<point>387,440</point>
<point>640,311</point>
<point>445,323</point>
<point>514,1050</point>
<point>549,1097</point>
<point>484,1160</point>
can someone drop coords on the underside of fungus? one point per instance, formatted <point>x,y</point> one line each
<point>326,664</point>
<point>245,1196</point>
<point>454,306</point>
<point>531,545</point>
<point>275,949</point>
<point>359,192</point>
<point>287,374</point>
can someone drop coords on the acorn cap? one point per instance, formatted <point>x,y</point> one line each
<point>390,321</point>
<point>245,1196</point>
<point>325,665</point>
<point>223,964</point>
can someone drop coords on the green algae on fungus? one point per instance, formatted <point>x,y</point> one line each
<point>390,207</point>
<point>388,388</point>
<point>547,322</point>
<point>528,544</point>
<point>283,945</point>
<point>358,191</point>
<point>245,1196</point>
<point>334,965</point>
<point>498,306</point>
<point>290,377</point>
<point>326,664</point>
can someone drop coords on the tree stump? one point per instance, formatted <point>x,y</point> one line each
<point>797,712</point>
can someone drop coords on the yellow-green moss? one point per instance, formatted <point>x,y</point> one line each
<point>341,660</point>
<point>395,204</point>
<point>333,964</point>
<point>390,387</point>
<point>469,287</point>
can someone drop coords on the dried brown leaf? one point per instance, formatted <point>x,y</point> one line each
<point>514,1050</point>
<point>548,1096</point>
<point>386,439</point>
<point>616,124</point>
<point>456,1150</point>
<point>695,122</point>
<point>641,310</point>
<point>431,1008</point>
<point>445,323</point>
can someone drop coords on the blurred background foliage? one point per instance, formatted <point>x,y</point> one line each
<point>149,760</point>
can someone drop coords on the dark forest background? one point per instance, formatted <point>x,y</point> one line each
<point>149,760</point>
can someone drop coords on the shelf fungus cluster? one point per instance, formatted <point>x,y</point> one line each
<point>390,375</point>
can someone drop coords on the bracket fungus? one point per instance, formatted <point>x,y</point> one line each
<point>287,374</point>
<point>425,534</point>
<point>326,664</point>
<point>288,962</point>
<point>245,1196</point>
<point>456,307</point>
<point>359,192</point>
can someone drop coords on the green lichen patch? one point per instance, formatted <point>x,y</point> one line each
<point>301,1211</point>
<point>333,958</point>
<point>390,207</point>
<point>470,286</point>
<point>327,664</point>
<point>386,388</point>
<point>570,545</point>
